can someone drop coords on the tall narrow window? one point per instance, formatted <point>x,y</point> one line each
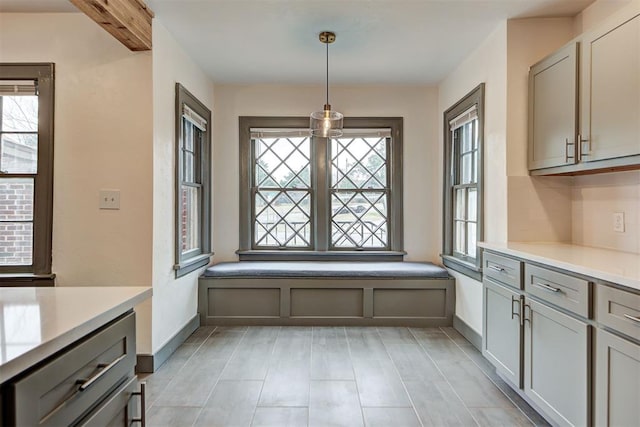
<point>304,197</point>
<point>463,183</point>
<point>192,183</point>
<point>26,172</point>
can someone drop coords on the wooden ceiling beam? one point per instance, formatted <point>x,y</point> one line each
<point>129,21</point>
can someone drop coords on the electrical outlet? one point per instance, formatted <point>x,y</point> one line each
<point>618,222</point>
<point>109,199</point>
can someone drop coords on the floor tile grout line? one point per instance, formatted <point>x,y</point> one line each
<point>489,378</point>
<point>404,386</point>
<point>443,375</point>
<point>181,368</point>
<point>266,375</point>
<point>215,384</point>
<point>355,378</point>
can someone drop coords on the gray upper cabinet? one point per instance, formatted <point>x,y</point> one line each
<point>584,101</point>
<point>553,109</point>
<point>610,103</point>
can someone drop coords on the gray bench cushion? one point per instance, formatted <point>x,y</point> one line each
<point>360,269</point>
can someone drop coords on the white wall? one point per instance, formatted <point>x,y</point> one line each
<point>422,164</point>
<point>488,64</point>
<point>174,300</point>
<point>539,208</point>
<point>102,140</point>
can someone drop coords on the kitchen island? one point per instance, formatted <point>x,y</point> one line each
<point>67,354</point>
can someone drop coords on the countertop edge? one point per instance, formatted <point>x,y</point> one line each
<point>616,279</point>
<point>23,362</point>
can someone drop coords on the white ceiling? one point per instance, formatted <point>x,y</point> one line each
<point>378,41</point>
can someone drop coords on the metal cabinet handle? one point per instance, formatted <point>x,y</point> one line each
<point>513,313</point>
<point>143,395</point>
<point>566,150</point>
<point>524,317</point>
<point>547,287</point>
<point>85,384</point>
<point>581,141</point>
<point>497,268</point>
<point>630,317</point>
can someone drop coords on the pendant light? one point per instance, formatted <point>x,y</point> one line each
<point>326,123</point>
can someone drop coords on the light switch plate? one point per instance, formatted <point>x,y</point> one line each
<point>109,199</point>
<point>618,222</point>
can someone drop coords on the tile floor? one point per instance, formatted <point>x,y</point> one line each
<point>330,376</point>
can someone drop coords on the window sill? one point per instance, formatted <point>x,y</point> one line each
<point>192,264</point>
<point>27,279</point>
<point>462,267</point>
<point>266,255</point>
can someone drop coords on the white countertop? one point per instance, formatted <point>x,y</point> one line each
<point>622,268</point>
<point>37,322</point>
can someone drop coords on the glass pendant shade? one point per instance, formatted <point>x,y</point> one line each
<point>326,123</point>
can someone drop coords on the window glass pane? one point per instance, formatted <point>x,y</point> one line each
<point>466,168</point>
<point>359,219</point>
<point>19,113</point>
<point>459,237</point>
<point>467,137</point>
<point>188,169</point>
<point>188,128</point>
<point>19,153</point>
<point>283,162</point>
<point>359,163</point>
<point>471,239</point>
<point>16,199</point>
<point>472,205</point>
<point>283,218</point>
<point>189,218</point>
<point>460,202</point>
<point>16,243</point>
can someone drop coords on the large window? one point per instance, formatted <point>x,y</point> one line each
<point>193,194</point>
<point>26,173</point>
<point>463,183</point>
<point>307,197</point>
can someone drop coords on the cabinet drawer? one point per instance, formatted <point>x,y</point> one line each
<point>70,385</point>
<point>619,310</point>
<point>560,289</point>
<point>502,269</point>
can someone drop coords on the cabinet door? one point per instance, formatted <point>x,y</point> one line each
<point>556,370</point>
<point>610,103</point>
<point>553,110</point>
<point>617,388</point>
<point>502,338</point>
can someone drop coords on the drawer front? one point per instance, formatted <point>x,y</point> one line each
<point>505,270</point>
<point>68,386</point>
<point>619,310</point>
<point>560,289</point>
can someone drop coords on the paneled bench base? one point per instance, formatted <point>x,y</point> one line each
<point>368,299</point>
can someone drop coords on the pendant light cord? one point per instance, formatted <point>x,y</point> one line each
<point>327,73</point>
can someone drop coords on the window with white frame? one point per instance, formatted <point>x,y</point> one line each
<point>26,172</point>
<point>463,183</point>
<point>193,170</point>
<point>317,195</point>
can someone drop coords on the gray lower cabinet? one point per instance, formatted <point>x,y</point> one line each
<point>92,382</point>
<point>617,382</point>
<point>556,364</point>
<point>502,337</point>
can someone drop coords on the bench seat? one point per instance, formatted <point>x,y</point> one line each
<point>326,293</point>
